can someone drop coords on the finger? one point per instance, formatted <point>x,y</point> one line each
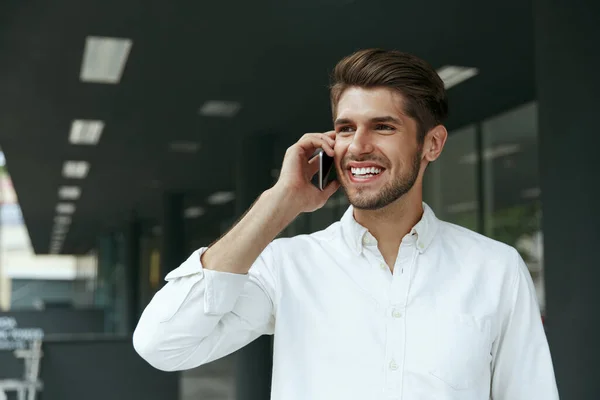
<point>329,150</point>
<point>310,143</point>
<point>329,137</point>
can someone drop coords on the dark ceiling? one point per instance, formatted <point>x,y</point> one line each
<point>272,56</point>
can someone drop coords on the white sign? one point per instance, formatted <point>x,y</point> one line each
<point>14,338</point>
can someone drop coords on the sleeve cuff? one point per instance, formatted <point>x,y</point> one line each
<point>191,266</point>
<point>222,291</point>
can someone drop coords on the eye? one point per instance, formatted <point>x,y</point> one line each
<point>382,127</point>
<point>345,129</point>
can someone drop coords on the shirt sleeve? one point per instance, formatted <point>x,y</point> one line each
<point>522,365</point>
<point>201,315</point>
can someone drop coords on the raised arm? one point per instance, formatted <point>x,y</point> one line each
<point>223,297</point>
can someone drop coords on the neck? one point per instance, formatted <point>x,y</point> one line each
<point>391,223</point>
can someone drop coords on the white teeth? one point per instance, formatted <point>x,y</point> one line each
<point>365,171</point>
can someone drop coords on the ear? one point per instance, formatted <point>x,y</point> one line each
<point>434,143</point>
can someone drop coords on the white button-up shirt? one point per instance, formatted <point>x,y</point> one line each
<point>457,319</point>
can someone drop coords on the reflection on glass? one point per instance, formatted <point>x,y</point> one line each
<point>512,205</point>
<point>450,183</point>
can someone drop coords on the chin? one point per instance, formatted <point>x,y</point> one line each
<point>376,199</point>
<point>366,201</point>
<point>362,203</point>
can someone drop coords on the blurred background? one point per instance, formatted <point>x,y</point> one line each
<point>134,132</point>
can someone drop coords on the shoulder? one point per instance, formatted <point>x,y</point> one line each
<point>301,244</point>
<point>475,247</point>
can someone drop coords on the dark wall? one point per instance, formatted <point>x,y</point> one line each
<point>567,64</point>
<point>101,370</point>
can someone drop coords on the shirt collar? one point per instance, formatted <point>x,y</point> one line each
<point>353,233</point>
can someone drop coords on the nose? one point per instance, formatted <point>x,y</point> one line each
<point>361,143</point>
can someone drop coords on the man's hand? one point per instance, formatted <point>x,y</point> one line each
<point>298,169</point>
<point>275,209</point>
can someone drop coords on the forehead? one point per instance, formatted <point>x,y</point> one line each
<point>359,103</point>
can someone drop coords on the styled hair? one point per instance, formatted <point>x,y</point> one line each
<point>421,87</point>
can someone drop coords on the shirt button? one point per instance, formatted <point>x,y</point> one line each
<point>366,240</point>
<point>421,246</point>
<point>396,314</point>
<point>393,365</point>
<point>382,266</point>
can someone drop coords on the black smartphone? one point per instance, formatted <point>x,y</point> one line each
<point>326,171</point>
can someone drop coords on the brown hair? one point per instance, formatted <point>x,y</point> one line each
<point>413,78</point>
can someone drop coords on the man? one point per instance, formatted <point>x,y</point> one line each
<point>389,302</point>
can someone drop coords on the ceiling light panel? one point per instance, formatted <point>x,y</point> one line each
<point>104,59</point>
<point>65,208</point>
<point>62,220</point>
<point>75,169</point>
<point>193,212</point>
<point>57,240</point>
<point>86,132</point>
<point>452,75</point>
<point>218,108</point>
<point>220,198</point>
<point>60,230</point>
<point>69,192</point>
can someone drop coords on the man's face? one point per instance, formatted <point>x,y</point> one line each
<point>377,153</point>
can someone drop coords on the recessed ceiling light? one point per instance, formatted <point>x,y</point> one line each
<point>60,230</point>
<point>65,208</point>
<point>57,240</point>
<point>193,212</point>
<point>86,131</point>
<point>62,220</point>
<point>104,59</point>
<point>220,198</point>
<point>183,146</point>
<point>75,169</point>
<point>218,108</point>
<point>452,75</point>
<point>69,192</point>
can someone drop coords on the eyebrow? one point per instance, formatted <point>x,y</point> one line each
<point>387,118</point>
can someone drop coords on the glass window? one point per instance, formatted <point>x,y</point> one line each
<point>512,204</point>
<point>450,183</point>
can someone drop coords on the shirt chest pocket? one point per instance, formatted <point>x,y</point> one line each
<point>461,350</point>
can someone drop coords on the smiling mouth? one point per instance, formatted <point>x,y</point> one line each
<point>364,173</point>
